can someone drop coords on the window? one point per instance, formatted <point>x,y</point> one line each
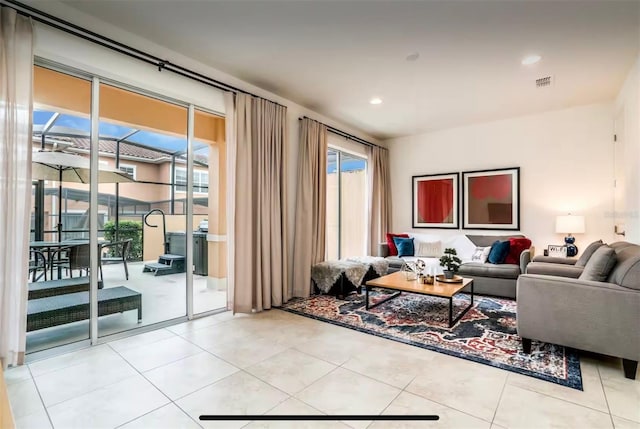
<point>346,205</point>
<point>129,169</point>
<point>200,181</point>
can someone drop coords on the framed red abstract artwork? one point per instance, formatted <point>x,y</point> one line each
<point>435,201</point>
<point>491,199</point>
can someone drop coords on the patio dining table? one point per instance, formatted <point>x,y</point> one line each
<point>49,247</point>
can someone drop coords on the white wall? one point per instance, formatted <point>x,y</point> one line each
<point>565,159</point>
<point>627,106</point>
<point>66,49</point>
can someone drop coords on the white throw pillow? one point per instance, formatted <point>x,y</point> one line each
<point>429,249</point>
<point>481,254</point>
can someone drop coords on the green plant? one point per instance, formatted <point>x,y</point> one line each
<point>449,260</point>
<point>126,229</point>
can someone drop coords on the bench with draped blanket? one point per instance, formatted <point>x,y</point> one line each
<point>346,275</point>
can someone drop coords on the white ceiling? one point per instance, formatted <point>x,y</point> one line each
<point>333,56</point>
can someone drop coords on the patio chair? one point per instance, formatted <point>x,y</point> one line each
<point>118,252</point>
<point>80,259</point>
<point>37,262</point>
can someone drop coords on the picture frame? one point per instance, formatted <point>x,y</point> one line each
<point>435,201</point>
<point>491,199</point>
<point>557,250</point>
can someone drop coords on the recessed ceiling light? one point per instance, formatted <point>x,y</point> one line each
<point>375,100</point>
<point>531,59</point>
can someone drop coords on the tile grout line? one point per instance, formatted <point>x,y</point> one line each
<point>504,387</point>
<point>46,410</point>
<point>604,392</point>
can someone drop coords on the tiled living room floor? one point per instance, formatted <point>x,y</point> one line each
<point>279,363</point>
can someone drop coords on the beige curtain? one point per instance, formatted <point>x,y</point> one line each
<point>259,143</point>
<point>311,202</point>
<point>379,197</point>
<point>16,94</point>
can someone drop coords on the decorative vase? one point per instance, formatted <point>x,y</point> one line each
<point>448,274</point>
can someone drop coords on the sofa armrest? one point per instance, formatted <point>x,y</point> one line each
<point>555,260</point>
<point>560,270</point>
<point>594,316</point>
<point>383,250</point>
<point>525,258</point>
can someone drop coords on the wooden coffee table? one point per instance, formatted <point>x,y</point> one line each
<point>397,281</point>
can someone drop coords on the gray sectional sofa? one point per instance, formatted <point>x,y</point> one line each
<point>489,279</point>
<point>556,306</point>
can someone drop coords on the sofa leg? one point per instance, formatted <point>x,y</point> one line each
<point>630,367</point>
<point>526,345</point>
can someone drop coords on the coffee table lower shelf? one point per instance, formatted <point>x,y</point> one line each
<point>407,286</point>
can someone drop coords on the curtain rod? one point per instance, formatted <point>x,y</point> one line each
<point>345,134</point>
<point>83,33</point>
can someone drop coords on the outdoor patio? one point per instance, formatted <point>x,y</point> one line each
<point>163,298</point>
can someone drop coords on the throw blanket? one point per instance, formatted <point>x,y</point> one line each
<point>326,273</point>
<point>379,265</point>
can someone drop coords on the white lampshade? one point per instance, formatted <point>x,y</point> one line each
<point>570,224</point>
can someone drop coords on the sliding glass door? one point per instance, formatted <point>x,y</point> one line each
<point>346,205</point>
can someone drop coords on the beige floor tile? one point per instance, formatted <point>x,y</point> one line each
<point>72,381</point>
<point>410,404</point>
<point>189,374</point>
<point>620,423</point>
<point>291,370</point>
<point>611,367</point>
<point>338,346</point>
<point>160,353</point>
<point>69,359</point>
<point>109,406</point>
<point>520,408</point>
<point>623,396</point>
<point>466,386</point>
<point>394,366</point>
<point>24,399</point>
<point>591,396</point>
<point>167,417</point>
<point>211,336</point>
<point>240,393</point>
<point>293,406</point>
<point>248,351</point>
<point>141,339</point>
<point>17,374</point>
<point>346,392</point>
<point>37,420</point>
<point>200,323</point>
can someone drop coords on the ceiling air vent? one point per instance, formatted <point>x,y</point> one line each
<point>543,82</point>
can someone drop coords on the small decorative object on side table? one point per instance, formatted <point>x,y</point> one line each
<point>557,250</point>
<point>570,224</point>
<point>450,262</point>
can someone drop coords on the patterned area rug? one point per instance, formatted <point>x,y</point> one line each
<point>486,334</point>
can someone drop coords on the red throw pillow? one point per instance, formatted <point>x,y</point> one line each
<point>518,245</point>
<point>393,250</point>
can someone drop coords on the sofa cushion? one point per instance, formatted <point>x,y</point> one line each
<point>481,254</point>
<point>428,249</point>
<point>393,251</point>
<point>404,245</point>
<point>488,240</point>
<point>517,245</point>
<point>626,273</point>
<point>550,269</point>
<point>588,252</point>
<point>599,265</point>
<point>499,251</point>
<point>503,271</point>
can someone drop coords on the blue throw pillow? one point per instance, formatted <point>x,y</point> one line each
<point>404,245</point>
<point>499,252</point>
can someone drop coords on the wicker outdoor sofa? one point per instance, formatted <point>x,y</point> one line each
<point>64,304</point>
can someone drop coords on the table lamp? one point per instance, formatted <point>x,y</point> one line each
<point>570,224</point>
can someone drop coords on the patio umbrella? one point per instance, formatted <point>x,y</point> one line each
<point>69,167</point>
